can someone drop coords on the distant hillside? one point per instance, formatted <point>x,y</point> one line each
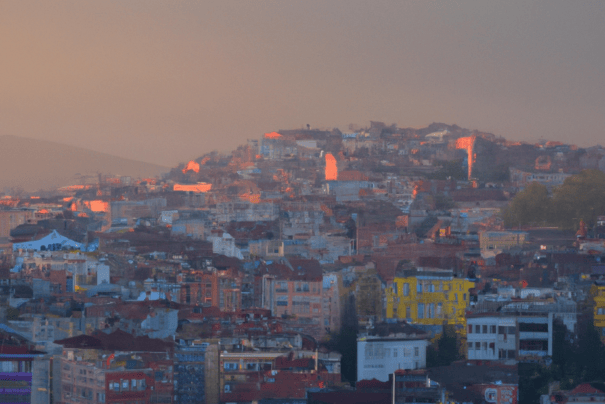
<point>33,164</point>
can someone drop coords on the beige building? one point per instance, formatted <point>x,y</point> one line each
<point>9,219</point>
<point>501,240</point>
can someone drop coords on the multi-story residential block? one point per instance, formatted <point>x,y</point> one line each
<point>597,292</point>
<point>114,368</point>
<point>520,336</point>
<point>429,296</point>
<point>389,347</point>
<point>10,219</point>
<point>24,371</point>
<point>294,287</point>
<point>255,376</point>
<point>190,371</point>
<point>331,310</point>
<point>491,337</point>
<point>199,288</point>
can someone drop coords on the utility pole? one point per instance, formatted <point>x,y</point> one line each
<point>393,402</point>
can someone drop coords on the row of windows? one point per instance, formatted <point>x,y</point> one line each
<point>378,351</point>
<point>482,346</point>
<point>282,287</point>
<point>430,310</point>
<point>79,393</point>
<point>430,287</point>
<point>126,385</point>
<point>490,329</point>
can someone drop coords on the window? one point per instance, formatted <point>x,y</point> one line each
<point>533,327</point>
<point>533,345</point>
<point>419,287</point>
<point>431,313</point>
<point>492,329</point>
<point>600,311</point>
<point>511,330</point>
<point>464,297</point>
<point>469,345</point>
<point>431,287</point>
<point>484,346</point>
<point>477,345</point>
<point>484,329</point>
<point>406,289</point>
<point>470,329</point>
<point>439,310</point>
<point>416,351</point>
<point>477,329</point>
<point>124,385</point>
<point>394,352</point>
<point>492,347</point>
<point>408,312</point>
<point>420,310</point>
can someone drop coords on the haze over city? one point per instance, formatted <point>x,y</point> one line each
<point>164,82</point>
<point>311,202</point>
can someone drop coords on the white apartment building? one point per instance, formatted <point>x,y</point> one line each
<point>379,357</point>
<point>495,336</point>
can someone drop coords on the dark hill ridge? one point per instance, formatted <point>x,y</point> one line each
<point>33,164</point>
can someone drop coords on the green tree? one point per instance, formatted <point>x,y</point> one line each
<point>563,356</point>
<point>445,350</point>
<point>581,196</point>
<point>345,341</point>
<point>530,206</point>
<point>589,355</point>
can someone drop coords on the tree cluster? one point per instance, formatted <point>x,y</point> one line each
<point>445,350</point>
<point>576,360</point>
<point>581,197</point>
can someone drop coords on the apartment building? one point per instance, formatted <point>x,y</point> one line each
<point>430,297</point>
<point>522,337</point>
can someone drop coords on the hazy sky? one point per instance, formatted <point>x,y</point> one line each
<point>166,81</point>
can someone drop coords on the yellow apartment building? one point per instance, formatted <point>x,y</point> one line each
<point>597,292</point>
<point>429,296</point>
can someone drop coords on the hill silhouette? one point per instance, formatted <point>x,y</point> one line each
<point>32,164</point>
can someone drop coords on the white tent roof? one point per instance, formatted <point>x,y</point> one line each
<point>53,238</point>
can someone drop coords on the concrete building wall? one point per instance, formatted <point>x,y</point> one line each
<point>212,377</point>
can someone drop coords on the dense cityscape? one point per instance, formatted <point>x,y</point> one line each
<point>381,264</point>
